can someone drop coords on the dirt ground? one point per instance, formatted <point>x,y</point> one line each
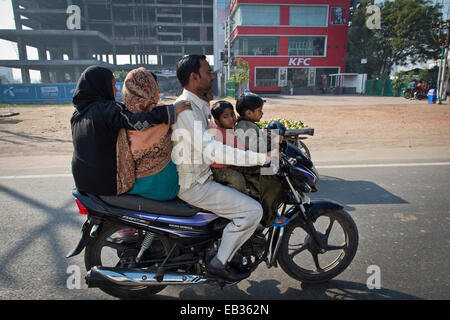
<point>340,123</point>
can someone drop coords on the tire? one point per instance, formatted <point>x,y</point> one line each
<point>305,149</point>
<point>95,256</point>
<point>407,95</point>
<point>290,262</point>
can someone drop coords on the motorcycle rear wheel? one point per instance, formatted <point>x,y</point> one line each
<point>301,260</point>
<point>99,252</point>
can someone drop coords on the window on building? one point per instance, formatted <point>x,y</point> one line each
<point>323,78</point>
<point>308,16</point>
<point>192,1</point>
<point>170,38</point>
<point>307,46</point>
<point>193,49</point>
<point>192,15</point>
<point>168,10</point>
<point>207,16</point>
<point>170,60</point>
<point>169,49</point>
<point>256,16</point>
<point>124,14</point>
<point>256,46</point>
<point>210,34</point>
<point>266,77</point>
<point>169,19</point>
<point>98,12</point>
<point>191,33</point>
<point>169,29</point>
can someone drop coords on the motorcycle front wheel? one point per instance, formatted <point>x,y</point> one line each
<point>305,149</point>
<point>113,247</point>
<point>301,258</point>
<point>407,95</point>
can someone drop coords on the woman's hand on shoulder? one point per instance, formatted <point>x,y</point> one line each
<point>182,105</point>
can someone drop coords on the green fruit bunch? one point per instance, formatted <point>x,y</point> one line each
<point>289,124</point>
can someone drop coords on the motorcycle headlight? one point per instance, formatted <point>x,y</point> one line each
<point>302,176</point>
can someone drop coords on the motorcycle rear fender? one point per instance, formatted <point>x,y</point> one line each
<point>91,226</point>
<point>83,241</point>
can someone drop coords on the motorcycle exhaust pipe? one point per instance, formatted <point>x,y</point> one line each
<point>103,277</point>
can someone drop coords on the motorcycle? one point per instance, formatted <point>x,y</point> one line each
<point>417,94</point>
<point>135,247</point>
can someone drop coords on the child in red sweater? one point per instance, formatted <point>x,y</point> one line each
<point>225,119</point>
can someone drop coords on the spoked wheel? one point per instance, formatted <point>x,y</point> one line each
<point>303,260</point>
<point>118,246</point>
<point>304,148</point>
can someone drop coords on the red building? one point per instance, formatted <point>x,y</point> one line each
<point>290,43</point>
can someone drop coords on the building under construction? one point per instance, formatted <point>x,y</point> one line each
<point>118,34</point>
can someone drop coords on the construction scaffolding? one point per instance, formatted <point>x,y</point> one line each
<point>150,33</point>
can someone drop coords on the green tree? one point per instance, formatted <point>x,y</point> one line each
<point>361,43</point>
<point>241,75</point>
<point>405,33</point>
<point>120,75</point>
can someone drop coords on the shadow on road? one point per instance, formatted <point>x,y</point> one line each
<point>348,192</point>
<point>32,138</point>
<point>268,290</point>
<point>9,121</point>
<point>48,231</point>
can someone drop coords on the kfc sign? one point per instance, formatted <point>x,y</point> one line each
<point>299,61</point>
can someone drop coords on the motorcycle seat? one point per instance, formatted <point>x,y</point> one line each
<point>175,207</point>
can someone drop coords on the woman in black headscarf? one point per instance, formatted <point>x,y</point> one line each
<point>95,126</point>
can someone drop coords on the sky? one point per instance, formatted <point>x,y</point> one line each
<point>8,50</point>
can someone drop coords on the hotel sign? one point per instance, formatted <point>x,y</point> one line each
<point>299,61</point>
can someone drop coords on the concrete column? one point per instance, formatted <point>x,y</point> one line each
<point>136,55</point>
<point>59,75</point>
<point>45,75</point>
<point>75,51</point>
<point>20,45</point>
<point>113,35</point>
<point>86,15</point>
<point>23,57</point>
<point>76,56</point>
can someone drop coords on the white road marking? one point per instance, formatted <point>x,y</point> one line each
<point>36,176</point>
<point>344,166</point>
<point>384,165</point>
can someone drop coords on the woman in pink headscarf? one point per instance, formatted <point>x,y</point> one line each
<point>144,160</point>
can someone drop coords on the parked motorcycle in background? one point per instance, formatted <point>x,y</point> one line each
<point>416,94</point>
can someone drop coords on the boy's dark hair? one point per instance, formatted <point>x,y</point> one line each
<point>219,107</point>
<point>187,65</point>
<point>248,101</point>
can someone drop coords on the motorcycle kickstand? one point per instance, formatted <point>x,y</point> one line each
<point>159,276</point>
